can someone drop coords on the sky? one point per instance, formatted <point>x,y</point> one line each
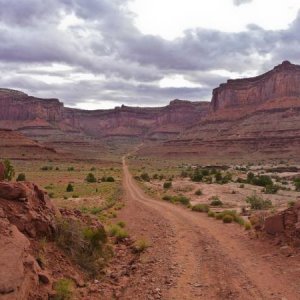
<point>104,53</point>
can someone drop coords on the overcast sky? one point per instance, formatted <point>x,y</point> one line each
<point>104,53</point>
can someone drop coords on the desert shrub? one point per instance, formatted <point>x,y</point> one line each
<point>90,178</point>
<point>21,177</point>
<point>271,189</point>
<point>69,188</point>
<point>218,176</point>
<point>145,177</point>
<point>71,169</point>
<point>219,216</point>
<point>227,219</point>
<point>121,224</point>
<point>297,184</point>
<point>247,226</point>
<point>161,177</point>
<point>261,180</point>
<point>51,195</point>
<point>86,246</point>
<point>250,177</point>
<point>118,232</point>
<point>184,174</point>
<point>177,199</point>
<point>65,197</point>
<point>197,175</point>
<point>96,210</point>
<point>167,184</point>
<point>258,203</point>
<point>64,289</point>
<point>200,208</point>
<point>205,172</point>
<point>211,214</point>
<point>291,203</point>
<point>110,179</point>
<point>9,171</point>
<point>155,176</point>
<point>93,169</point>
<point>215,201</point>
<point>242,186</point>
<point>198,192</point>
<point>75,196</point>
<point>46,168</point>
<point>140,245</point>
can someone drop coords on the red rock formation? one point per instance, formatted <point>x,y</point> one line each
<point>25,212</point>
<point>285,225</point>
<point>282,81</point>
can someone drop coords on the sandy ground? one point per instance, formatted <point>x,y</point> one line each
<point>195,257</point>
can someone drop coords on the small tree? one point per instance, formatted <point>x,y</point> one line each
<point>145,177</point>
<point>90,178</point>
<point>21,177</point>
<point>70,188</point>
<point>9,171</point>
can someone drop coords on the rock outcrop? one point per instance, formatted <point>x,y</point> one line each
<point>282,81</point>
<point>285,225</point>
<point>25,213</point>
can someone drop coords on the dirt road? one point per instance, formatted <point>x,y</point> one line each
<point>195,257</point>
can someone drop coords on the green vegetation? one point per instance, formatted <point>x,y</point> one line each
<point>258,203</point>
<point>215,201</point>
<point>198,192</point>
<point>227,219</point>
<point>63,289</point>
<point>21,177</point>
<point>47,168</point>
<point>177,199</point>
<point>118,232</point>
<point>9,171</point>
<point>297,184</point>
<point>200,208</point>
<point>69,188</point>
<point>271,189</point>
<point>86,246</point>
<point>145,177</point>
<point>260,180</point>
<point>140,245</point>
<point>90,178</point>
<point>167,184</point>
<point>211,214</point>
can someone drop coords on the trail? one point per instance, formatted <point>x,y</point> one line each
<point>204,258</point>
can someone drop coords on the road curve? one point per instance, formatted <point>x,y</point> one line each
<point>217,261</point>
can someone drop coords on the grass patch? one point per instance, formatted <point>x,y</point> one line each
<point>200,208</point>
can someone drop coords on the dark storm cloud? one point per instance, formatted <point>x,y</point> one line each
<point>105,43</point>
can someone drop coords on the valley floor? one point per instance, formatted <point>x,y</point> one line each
<point>196,257</point>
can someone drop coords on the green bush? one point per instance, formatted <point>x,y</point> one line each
<point>291,203</point>
<point>46,168</point>
<point>297,184</point>
<point>242,186</point>
<point>227,219</point>
<point>197,175</point>
<point>140,245</point>
<point>247,226</point>
<point>110,179</point>
<point>271,189</point>
<point>21,177</point>
<point>9,171</point>
<point>215,201</point>
<point>71,169</point>
<point>177,199</point>
<point>69,188</point>
<point>167,184</point>
<point>64,289</point>
<point>258,203</point>
<point>211,214</point>
<point>200,208</point>
<point>86,246</point>
<point>90,178</point>
<point>145,177</point>
<point>118,232</point>
<point>198,192</point>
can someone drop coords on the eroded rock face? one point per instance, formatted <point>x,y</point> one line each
<point>25,212</point>
<point>282,81</point>
<point>285,224</point>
